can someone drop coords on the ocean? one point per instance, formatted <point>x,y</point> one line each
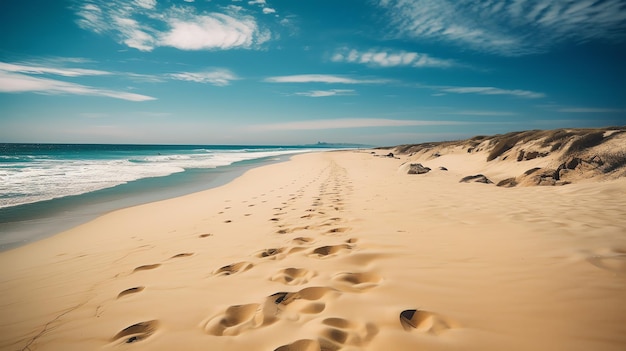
<point>48,188</point>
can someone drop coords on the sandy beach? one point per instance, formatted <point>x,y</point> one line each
<point>336,251</point>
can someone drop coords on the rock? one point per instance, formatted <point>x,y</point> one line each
<point>531,171</point>
<point>479,178</point>
<point>443,168</point>
<point>469,150</point>
<point>507,183</point>
<point>596,161</point>
<point>531,155</point>
<point>563,173</point>
<point>573,163</point>
<point>417,168</point>
<point>436,154</point>
<point>390,155</point>
<point>547,177</point>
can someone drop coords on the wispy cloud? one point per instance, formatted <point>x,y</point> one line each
<point>351,123</point>
<point>20,83</point>
<point>591,110</point>
<point>493,91</point>
<point>512,27</point>
<point>326,93</point>
<point>322,78</point>
<point>143,25</point>
<point>389,58</point>
<point>36,69</point>
<point>485,113</point>
<point>219,77</point>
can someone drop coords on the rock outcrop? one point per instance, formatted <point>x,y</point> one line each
<point>417,168</point>
<point>479,178</point>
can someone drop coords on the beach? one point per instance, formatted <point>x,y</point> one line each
<point>338,250</point>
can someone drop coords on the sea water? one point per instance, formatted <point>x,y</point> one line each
<point>46,188</point>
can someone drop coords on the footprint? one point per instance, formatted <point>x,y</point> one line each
<point>233,268</point>
<point>270,253</point>
<point>146,267</point>
<point>613,263</point>
<point>137,332</point>
<point>342,332</point>
<point>336,230</point>
<point>356,282</point>
<point>186,254</point>
<point>329,250</point>
<point>301,345</point>
<point>130,291</point>
<point>425,322</point>
<point>302,240</point>
<point>293,276</point>
<point>235,320</point>
<point>204,235</point>
<point>292,304</point>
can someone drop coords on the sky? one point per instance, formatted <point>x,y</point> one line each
<point>283,72</point>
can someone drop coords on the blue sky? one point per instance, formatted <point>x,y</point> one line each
<point>382,72</point>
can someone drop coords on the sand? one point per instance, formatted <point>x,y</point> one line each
<point>333,251</point>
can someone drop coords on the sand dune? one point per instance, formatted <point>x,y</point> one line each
<point>341,251</point>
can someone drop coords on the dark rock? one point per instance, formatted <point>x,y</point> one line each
<point>469,150</point>
<point>520,157</point>
<point>436,154</point>
<point>443,168</point>
<point>573,163</point>
<point>417,168</point>
<point>507,183</point>
<point>390,155</point>
<point>531,155</point>
<point>479,178</point>
<point>531,171</point>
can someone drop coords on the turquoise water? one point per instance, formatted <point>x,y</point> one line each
<point>47,188</point>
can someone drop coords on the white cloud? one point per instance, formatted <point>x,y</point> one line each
<point>20,83</point>
<point>219,77</point>
<point>146,4</point>
<point>66,72</point>
<point>388,58</point>
<point>322,78</point>
<point>325,93</point>
<point>351,123</point>
<point>514,27</point>
<point>493,91</point>
<point>142,25</point>
<point>214,31</point>
<point>268,10</point>
<point>257,2</point>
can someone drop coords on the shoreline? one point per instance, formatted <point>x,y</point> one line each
<point>340,250</point>
<point>24,224</point>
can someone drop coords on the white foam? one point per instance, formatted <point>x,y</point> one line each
<point>45,179</point>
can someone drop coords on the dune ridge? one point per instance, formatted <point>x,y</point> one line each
<point>341,251</point>
<point>536,157</point>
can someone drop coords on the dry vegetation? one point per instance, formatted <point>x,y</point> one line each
<point>590,152</point>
